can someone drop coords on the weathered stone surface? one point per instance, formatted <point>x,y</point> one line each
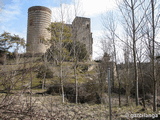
<point>39,18</point>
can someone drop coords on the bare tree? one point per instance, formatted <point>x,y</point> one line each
<point>110,26</point>
<point>153,57</point>
<point>152,18</point>
<point>76,8</point>
<point>76,46</point>
<point>127,55</point>
<point>133,18</point>
<point>150,31</point>
<point>61,36</point>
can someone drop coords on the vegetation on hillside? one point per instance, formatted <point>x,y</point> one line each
<point>63,84</point>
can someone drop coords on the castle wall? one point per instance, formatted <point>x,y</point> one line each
<point>82,32</point>
<point>39,18</point>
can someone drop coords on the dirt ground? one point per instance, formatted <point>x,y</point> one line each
<point>47,107</point>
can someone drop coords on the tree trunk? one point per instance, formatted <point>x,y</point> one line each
<point>153,60</point>
<point>134,52</point>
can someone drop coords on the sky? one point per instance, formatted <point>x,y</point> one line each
<point>14,14</point>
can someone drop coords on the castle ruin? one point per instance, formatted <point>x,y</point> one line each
<point>39,18</point>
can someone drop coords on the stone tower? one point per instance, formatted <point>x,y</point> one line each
<point>39,18</point>
<point>82,32</point>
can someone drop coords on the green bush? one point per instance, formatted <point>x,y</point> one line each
<point>87,93</point>
<point>44,72</point>
<point>80,50</point>
<point>68,52</point>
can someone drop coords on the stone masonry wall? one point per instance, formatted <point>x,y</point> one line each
<point>82,32</point>
<point>39,18</point>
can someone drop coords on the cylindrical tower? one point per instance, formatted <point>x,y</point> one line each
<point>39,19</point>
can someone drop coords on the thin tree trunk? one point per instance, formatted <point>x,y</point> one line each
<point>75,65</point>
<point>127,86</point>
<point>61,68</point>
<point>76,83</point>
<point>43,81</point>
<point>31,80</point>
<point>143,90</point>
<point>134,53</point>
<point>61,59</point>
<point>62,85</point>
<point>119,82</point>
<point>75,73</point>
<point>127,72</point>
<point>153,60</point>
<point>44,77</point>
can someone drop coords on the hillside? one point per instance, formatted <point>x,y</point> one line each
<point>31,89</point>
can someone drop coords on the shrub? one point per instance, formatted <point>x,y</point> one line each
<point>44,71</point>
<point>54,89</point>
<point>87,93</point>
<point>2,57</point>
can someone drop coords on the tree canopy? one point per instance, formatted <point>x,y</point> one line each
<point>8,41</point>
<point>61,41</point>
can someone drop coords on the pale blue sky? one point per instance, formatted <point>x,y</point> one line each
<point>13,17</point>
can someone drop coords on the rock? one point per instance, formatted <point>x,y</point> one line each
<point>71,113</point>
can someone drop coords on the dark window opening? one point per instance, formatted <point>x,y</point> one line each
<point>31,22</point>
<point>88,26</point>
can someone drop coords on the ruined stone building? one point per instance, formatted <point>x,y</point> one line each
<point>39,18</point>
<point>82,32</point>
